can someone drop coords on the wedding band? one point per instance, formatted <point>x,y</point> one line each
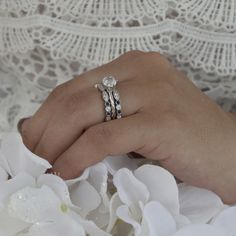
<point>111,98</point>
<point>117,104</point>
<point>107,105</point>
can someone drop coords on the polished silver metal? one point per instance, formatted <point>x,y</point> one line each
<point>117,104</point>
<point>106,99</point>
<point>111,98</point>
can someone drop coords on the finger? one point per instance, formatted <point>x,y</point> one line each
<point>79,112</point>
<point>33,129</point>
<point>109,138</point>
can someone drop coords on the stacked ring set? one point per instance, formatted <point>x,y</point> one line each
<point>111,98</point>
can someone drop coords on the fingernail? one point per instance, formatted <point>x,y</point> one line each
<point>20,123</point>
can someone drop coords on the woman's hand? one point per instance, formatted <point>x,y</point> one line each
<point>166,118</point>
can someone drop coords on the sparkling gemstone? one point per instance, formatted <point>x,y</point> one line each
<point>109,82</point>
<point>105,96</point>
<point>108,109</point>
<point>116,95</point>
<point>118,107</point>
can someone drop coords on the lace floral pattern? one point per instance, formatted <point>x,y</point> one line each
<point>46,42</point>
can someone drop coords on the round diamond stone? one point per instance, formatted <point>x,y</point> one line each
<point>118,107</point>
<point>109,82</point>
<point>108,109</point>
<point>116,95</point>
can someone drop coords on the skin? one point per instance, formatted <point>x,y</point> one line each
<point>165,118</point>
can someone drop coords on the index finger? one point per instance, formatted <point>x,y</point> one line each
<point>32,130</point>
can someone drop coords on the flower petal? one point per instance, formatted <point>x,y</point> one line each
<point>84,176</point>
<point>161,186</point>
<point>181,221</point>
<point>226,219</point>
<point>131,191</point>
<point>99,217</point>
<point>32,205</point>
<point>10,226</point>
<point>98,176</point>
<point>12,185</point>
<point>85,196</point>
<point>114,163</point>
<point>124,214</point>
<point>3,175</point>
<point>196,230</point>
<point>57,185</point>
<point>158,220</point>
<point>62,226</point>
<point>90,227</point>
<point>4,163</point>
<point>20,159</point>
<point>115,203</point>
<point>197,204</point>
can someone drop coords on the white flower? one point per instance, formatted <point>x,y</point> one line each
<point>199,205</point>
<point>148,202</point>
<point>40,207</point>
<point>16,158</point>
<point>90,193</point>
<point>154,205</point>
<point>202,229</point>
<point>3,175</point>
<point>226,221</point>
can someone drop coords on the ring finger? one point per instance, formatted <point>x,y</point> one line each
<point>77,113</point>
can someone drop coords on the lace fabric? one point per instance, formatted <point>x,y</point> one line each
<point>45,42</point>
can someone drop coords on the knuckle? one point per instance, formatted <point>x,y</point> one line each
<point>154,54</point>
<point>57,92</point>
<point>26,137</point>
<point>76,102</point>
<point>100,135</point>
<point>156,57</point>
<point>133,54</point>
<point>152,61</point>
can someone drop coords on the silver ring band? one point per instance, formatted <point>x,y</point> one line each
<point>107,104</point>
<point>111,98</point>
<point>117,103</point>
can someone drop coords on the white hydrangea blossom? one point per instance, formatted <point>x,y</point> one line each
<point>142,201</point>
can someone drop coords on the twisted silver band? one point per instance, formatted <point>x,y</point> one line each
<point>111,98</point>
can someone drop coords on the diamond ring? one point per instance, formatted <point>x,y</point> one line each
<point>111,98</point>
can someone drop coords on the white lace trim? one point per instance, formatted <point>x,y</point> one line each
<point>14,6</point>
<point>43,43</point>
<point>216,13</point>
<point>212,51</point>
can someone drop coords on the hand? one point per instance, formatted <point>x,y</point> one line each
<point>166,118</point>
